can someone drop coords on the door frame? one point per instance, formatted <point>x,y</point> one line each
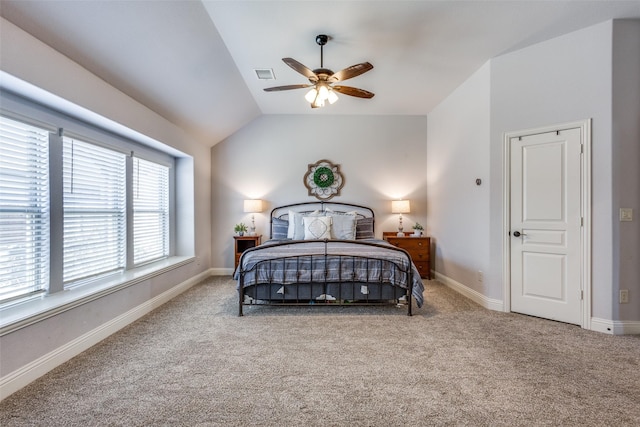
<point>585,209</point>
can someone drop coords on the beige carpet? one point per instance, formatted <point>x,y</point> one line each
<point>193,362</point>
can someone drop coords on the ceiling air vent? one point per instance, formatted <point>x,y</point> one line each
<point>265,74</point>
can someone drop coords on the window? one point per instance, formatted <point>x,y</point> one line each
<point>76,209</point>
<point>150,211</point>
<point>94,210</point>
<point>24,216</point>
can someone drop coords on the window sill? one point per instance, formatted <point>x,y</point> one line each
<point>33,310</point>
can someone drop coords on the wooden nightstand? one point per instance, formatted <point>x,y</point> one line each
<point>418,247</point>
<point>242,243</point>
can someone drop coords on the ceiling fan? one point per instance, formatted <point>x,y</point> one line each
<point>322,80</point>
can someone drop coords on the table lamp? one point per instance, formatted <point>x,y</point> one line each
<point>253,206</point>
<point>400,207</point>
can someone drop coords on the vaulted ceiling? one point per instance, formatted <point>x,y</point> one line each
<point>193,61</point>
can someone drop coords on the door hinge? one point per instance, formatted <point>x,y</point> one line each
<point>581,295</point>
<point>581,148</point>
<point>581,221</point>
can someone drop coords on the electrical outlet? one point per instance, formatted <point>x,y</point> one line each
<point>624,296</point>
<point>626,214</point>
<point>480,276</point>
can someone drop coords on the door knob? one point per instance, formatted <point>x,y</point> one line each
<point>518,234</point>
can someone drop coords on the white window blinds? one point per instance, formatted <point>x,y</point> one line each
<point>94,210</point>
<point>24,215</point>
<point>150,211</point>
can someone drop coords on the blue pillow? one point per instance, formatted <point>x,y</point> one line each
<point>279,228</point>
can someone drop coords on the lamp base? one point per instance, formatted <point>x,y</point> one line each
<point>400,234</point>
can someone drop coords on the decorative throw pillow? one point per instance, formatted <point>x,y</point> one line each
<point>343,225</point>
<point>296,225</point>
<point>317,227</point>
<point>364,228</point>
<point>279,228</point>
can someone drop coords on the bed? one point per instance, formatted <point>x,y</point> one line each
<point>326,253</point>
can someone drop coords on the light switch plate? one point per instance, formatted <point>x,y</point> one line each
<point>626,214</point>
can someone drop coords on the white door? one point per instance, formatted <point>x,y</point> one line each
<point>545,225</point>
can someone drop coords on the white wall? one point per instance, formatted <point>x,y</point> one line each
<point>561,80</point>
<point>591,73</point>
<point>381,158</point>
<point>32,61</point>
<point>626,165</point>
<point>458,210</point>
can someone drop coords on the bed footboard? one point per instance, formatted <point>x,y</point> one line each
<point>327,272</point>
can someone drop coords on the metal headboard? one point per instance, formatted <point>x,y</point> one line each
<point>282,212</point>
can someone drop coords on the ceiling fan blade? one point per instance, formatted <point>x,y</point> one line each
<point>353,91</point>
<point>288,87</point>
<point>350,72</point>
<point>302,69</point>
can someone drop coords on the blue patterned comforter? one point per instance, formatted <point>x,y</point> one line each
<point>332,261</point>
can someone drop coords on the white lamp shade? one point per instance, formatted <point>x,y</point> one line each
<point>311,95</point>
<point>332,97</point>
<point>323,92</point>
<point>253,206</point>
<point>400,206</point>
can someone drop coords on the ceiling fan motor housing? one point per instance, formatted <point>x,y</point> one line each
<point>322,73</point>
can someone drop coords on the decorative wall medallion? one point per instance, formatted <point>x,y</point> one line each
<point>323,180</point>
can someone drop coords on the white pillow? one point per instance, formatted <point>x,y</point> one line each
<point>317,227</point>
<point>296,225</point>
<point>343,226</point>
<point>295,222</point>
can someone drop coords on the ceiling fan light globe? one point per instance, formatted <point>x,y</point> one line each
<point>311,95</point>
<point>332,97</point>
<point>323,92</point>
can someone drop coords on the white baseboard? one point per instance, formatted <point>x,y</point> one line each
<point>16,380</point>
<point>615,327</point>
<point>475,296</point>
<point>601,325</point>
<point>222,271</point>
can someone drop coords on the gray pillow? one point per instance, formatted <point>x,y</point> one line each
<point>364,228</point>
<point>343,226</point>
